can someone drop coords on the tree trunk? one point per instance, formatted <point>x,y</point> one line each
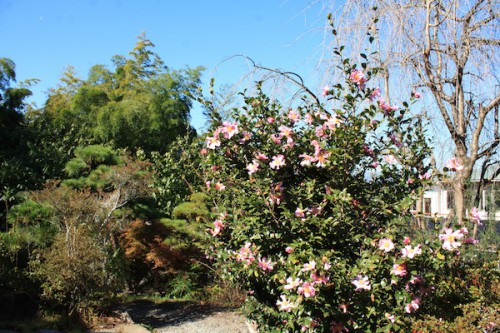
<point>459,189</point>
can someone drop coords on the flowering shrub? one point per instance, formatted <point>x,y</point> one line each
<point>311,209</point>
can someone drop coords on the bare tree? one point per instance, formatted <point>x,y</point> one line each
<point>448,48</point>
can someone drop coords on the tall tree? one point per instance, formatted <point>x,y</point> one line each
<point>448,48</point>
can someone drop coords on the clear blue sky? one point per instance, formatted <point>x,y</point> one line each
<point>44,37</point>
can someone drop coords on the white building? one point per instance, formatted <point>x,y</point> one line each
<point>438,200</point>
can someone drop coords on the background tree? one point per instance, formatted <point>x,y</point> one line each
<point>449,49</point>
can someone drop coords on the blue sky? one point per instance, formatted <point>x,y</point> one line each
<point>44,37</point>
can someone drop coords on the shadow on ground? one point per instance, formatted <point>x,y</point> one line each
<point>158,315</point>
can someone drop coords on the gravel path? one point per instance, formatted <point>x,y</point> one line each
<point>185,317</point>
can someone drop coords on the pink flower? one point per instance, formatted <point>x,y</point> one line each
<point>212,142</point>
<point>220,186</point>
<point>426,175</point>
<point>321,158</point>
<point>386,245</point>
<point>270,120</point>
<point>294,116</point>
<point>266,264</point>
<point>454,164</point>
<point>218,226</point>
<point>450,239</point>
<point>410,252</point>
<point>326,91</point>
<point>306,160</point>
<point>203,151</point>
<point>310,266</point>
<point>261,156</point>
<point>389,159</point>
<point>390,317</point>
<point>375,94</point>
<point>406,240</point>
<point>285,131</point>
<point>399,269</point>
<point>308,118</point>
<point>413,305</point>
<point>474,213</point>
<point>277,162</point>
<point>358,77</point>
<point>246,254</point>
<point>320,131</point>
<point>416,94</point>
<point>253,167</point>
<point>246,136</point>
<point>321,279</point>
<point>307,289</point>
<point>361,283</point>
<point>276,139</point>
<point>289,249</point>
<point>327,266</point>
<point>285,304</point>
<point>333,122</point>
<point>299,212</point>
<point>292,283</point>
<point>229,129</point>
<point>386,107</point>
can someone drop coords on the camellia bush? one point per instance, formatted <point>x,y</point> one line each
<point>312,210</point>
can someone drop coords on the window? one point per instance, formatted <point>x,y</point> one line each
<point>427,206</point>
<point>450,199</point>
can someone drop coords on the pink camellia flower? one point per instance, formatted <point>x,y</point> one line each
<point>409,181</point>
<point>454,164</point>
<point>246,136</point>
<point>390,317</point>
<point>308,118</point>
<point>386,245</point>
<point>285,304</point>
<point>218,226</point>
<point>229,129</point>
<point>253,167</point>
<point>299,212</point>
<point>326,91</point>
<point>294,116</point>
<point>261,156</point>
<point>375,94</point>
<point>292,283</point>
<point>416,94</point>
<point>266,264</point>
<point>450,239</point>
<point>307,289</point>
<point>386,107</point>
<point>406,240</point>
<point>321,158</point>
<point>399,269</point>
<point>410,252</point>
<point>270,120</point>
<point>333,122</point>
<point>220,186</point>
<point>470,240</point>
<point>413,305</point>
<point>277,162</point>
<point>276,138</point>
<point>306,160</point>
<point>320,131</point>
<point>212,142</point>
<point>289,249</point>
<point>246,254</point>
<point>426,175</point>
<point>285,131</point>
<point>389,159</point>
<point>203,151</point>
<point>358,77</point>
<point>474,213</point>
<point>310,266</point>
<point>327,266</point>
<point>319,279</point>
<point>361,282</point>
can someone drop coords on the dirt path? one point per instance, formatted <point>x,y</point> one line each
<point>185,317</point>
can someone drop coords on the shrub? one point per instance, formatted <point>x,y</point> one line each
<point>312,208</point>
